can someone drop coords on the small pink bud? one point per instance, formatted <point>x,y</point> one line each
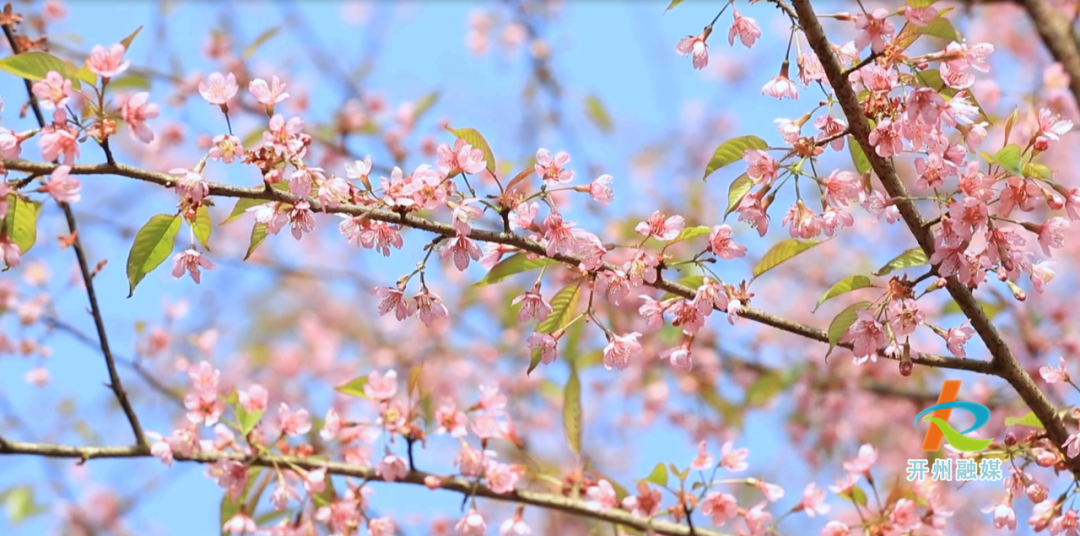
<point>432,482</point>
<point>1010,439</point>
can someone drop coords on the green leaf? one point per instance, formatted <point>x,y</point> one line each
<point>691,232</point>
<point>1027,420</point>
<point>780,253</point>
<point>921,3</point>
<point>736,192</point>
<point>424,104</point>
<point>846,284</point>
<point>912,257</point>
<point>1037,171</point>
<point>991,310</point>
<point>258,234</point>
<point>563,305</point>
<point>595,111</point>
<point>1009,158</point>
<point>572,411</point>
<point>672,5</point>
<point>842,322</point>
<point>515,264</point>
<point>855,495</point>
<point>354,387</point>
<point>1011,122</point>
<point>202,226</point>
<point>20,505</point>
<point>690,281</point>
<point>764,388</point>
<point>129,81</point>
<point>732,151</point>
<point>241,206</point>
<point>259,41</point>
<point>153,244</point>
<point>941,28</point>
<point>35,66</point>
<point>858,157</point>
<point>658,475</point>
<point>21,221</point>
<point>247,419</point>
<point>474,138</point>
<point>127,40</point>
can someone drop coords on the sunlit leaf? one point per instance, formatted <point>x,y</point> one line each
<point>658,475</point>
<point>153,244</point>
<point>20,505</point>
<point>127,40</point>
<point>991,310</point>
<point>846,284</point>
<point>247,419</point>
<point>260,40</point>
<point>202,226</point>
<point>1027,420</point>
<point>691,281</point>
<point>736,192</point>
<point>595,111</point>
<point>858,157</point>
<point>1010,123</point>
<point>474,138</point>
<point>842,322</point>
<point>129,81</point>
<point>424,104</point>
<point>21,221</point>
<point>563,305</point>
<point>781,253</point>
<point>940,28</point>
<point>515,264</point>
<point>732,151</point>
<point>354,387</point>
<point>572,411</point>
<point>912,257</point>
<point>1009,158</point>
<point>691,232</point>
<point>672,5</point>
<point>35,65</point>
<point>258,234</point>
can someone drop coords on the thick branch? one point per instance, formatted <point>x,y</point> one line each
<point>1004,363</point>
<point>509,239</point>
<point>84,269</point>
<point>547,501</point>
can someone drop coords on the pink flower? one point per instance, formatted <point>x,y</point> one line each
<point>52,91</point>
<point>720,506</point>
<point>501,477</point>
<point>1052,126</point>
<point>875,28</point>
<point>226,148</point>
<point>254,398</point>
<point>760,166</point>
<point>866,336</point>
<point>694,46</point>
<point>721,243</point>
<point>757,519</point>
<point>159,448</point>
<point>660,227</point>
<point>733,459</point>
<point>203,408</point>
<point>886,139</point>
<point>230,475</point>
<point>1054,374</point>
<point>601,496</point>
<point>55,140</point>
<point>240,524</point>
<point>1004,516</point>
<point>293,423</point>
<point>523,215</point>
<point>781,87</point>
<point>835,528</point>
<point>11,147</point>
<point>472,524</point>
<point>621,349</point>
<point>772,492</point>
<point>745,28</point>
<point>532,305</point>
<point>553,170</point>
<point>1041,275</point>
<point>218,89</point>
<point>381,386</point>
<point>136,111</point>
<point>545,344</point>
<point>451,420</point>
<point>1052,234</point>
<point>461,158</point>
<point>813,501</point>
<point>955,338</point>
<point>190,184</point>
<point>679,357</point>
<point>392,468</point>
<point>863,462</point>
<point>190,261</point>
<point>904,316</point>
<point>515,526</point>
<point>381,526</point>
<point>600,190</point>
<point>331,425</point>
<point>267,94</point>
<point>107,64</point>
<point>704,460</point>
<point>803,222</point>
<point>428,306</point>
<point>63,187</point>
<point>559,235</point>
<point>461,248</point>
<point>645,504</point>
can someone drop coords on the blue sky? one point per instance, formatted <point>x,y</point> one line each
<point>621,52</point>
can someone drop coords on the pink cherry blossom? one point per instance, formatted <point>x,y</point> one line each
<point>190,184</point>
<point>600,190</point>
<point>781,87</point>
<point>1056,373</point>
<point>392,468</point>
<point>661,227</point>
<point>218,89</point>
<point>532,305</point>
<point>745,28</point>
<point>813,501</point>
<point>293,423</point>
<point>254,398</point>
<point>136,111</point>
<point>862,463</point>
<point>553,170</point>
<point>52,91</point>
<point>226,148</point>
<point>720,506</point>
<point>381,386</point>
<point>107,64</point>
<point>621,350</point>
<point>268,94</point>
<point>601,496</point>
<point>63,187</point>
<point>428,307</point>
<point>472,524</point>
<point>545,344</point>
<point>875,29</point>
<point>695,47</point>
<point>190,261</point>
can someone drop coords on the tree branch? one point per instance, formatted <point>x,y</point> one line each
<point>443,229</point>
<point>84,268</point>
<point>546,501</point>
<point>1004,363</point>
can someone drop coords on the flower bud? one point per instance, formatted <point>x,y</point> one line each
<point>1037,492</point>
<point>1010,439</point>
